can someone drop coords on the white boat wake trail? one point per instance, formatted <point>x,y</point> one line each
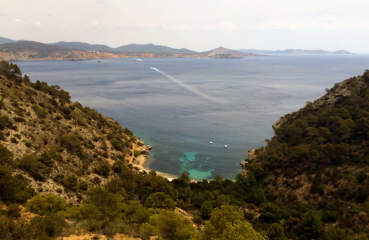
<point>189,88</point>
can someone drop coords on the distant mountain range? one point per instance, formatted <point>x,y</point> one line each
<point>151,48</point>
<point>31,46</point>
<point>294,51</point>
<point>131,48</point>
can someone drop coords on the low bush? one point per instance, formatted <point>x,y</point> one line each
<point>12,188</point>
<point>46,205</point>
<point>6,157</point>
<point>71,142</point>
<point>5,122</point>
<point>13,210</point>
<point>103,168</point>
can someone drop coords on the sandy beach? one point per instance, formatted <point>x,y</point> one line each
<point>141,159</point>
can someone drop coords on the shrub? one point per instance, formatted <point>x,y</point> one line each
<point>46,205</point>
<point>66,110</point>
<point>206,210</point>
<point>366,75</point>
<point>113,228</point>
<point>146,230</point>
<point>5,122</point>
<point>136,153</point>
<point>172,226</point>
<point>83,185</point>
<point>58,117</point>
<point>89,144</point>
<point>13,210</point>
<point>29,91</point>
<point>103,168</point>
<point>6,157</point>
<point>13,140</point>
<point>71,143</point>
<point>70,182</point>
<point>118,145</point>
<point>19,119</point>
<point>41,228</point>
<point>13,189</point>
<point>46,159</point>
<point>36,168</point>
<point>40,112</point>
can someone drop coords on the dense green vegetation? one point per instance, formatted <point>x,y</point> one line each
<point>317,163</point>
<point>309,182</point>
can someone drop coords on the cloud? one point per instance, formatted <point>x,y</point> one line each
<point>149,25</point>
<point>176,26</point>
<point>38,23</point>
<point>2,14</point>
<point>228,26</point>
<point>95,23</point>
<point>19,22</point>
<point>50,15</point>
<point>323,22</point>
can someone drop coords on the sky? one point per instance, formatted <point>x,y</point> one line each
<point>198,25</point>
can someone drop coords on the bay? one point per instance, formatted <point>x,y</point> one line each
<point>181,105</point>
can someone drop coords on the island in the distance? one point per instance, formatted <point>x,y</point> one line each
<point>11,50</point>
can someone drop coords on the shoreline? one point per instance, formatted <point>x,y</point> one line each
<point>143,159</point>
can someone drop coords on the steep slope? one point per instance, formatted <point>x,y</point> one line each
<point>318,161</point>
<point>59,146</point>
<point>151,48</point>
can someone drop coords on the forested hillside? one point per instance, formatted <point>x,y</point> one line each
<point>317,165</point>
<point>67,170</point>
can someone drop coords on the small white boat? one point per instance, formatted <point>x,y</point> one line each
<point>211,142</point>
<point>138,60</point>
<point>225,146</point>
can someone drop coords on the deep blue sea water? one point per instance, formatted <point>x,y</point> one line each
<point>192,102</point>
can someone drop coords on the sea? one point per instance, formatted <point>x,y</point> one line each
<point>180,105</point>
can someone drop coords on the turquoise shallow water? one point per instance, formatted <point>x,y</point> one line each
<point>196,101</point>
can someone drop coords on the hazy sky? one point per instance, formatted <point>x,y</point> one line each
<point>195,24</point>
